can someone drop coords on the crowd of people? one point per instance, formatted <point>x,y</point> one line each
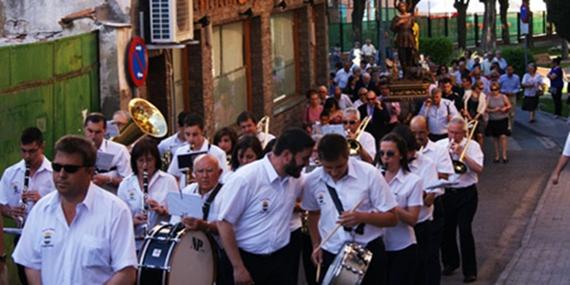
<point>399,178</point>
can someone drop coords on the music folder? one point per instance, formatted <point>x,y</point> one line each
<point>186,161</point>
<point>184,205</point>
<point>104,161</point>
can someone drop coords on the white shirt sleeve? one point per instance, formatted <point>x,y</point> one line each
<point>123,252</point>
<point>444,164</point>
<point>380,195</point>
<point>5,187</point>
<point>235,200</point>
<point>28,252</point>
<point>416,196</point>
<point>309,202</point>
<point>124,163</point>
<point>566,151</point>
<point>173,167</point>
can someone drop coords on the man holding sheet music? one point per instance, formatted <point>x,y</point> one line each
<point>112,158</point>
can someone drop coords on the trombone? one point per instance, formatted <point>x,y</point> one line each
<point>353,144</point>
<point>263,127</point>
<point>458,165</point>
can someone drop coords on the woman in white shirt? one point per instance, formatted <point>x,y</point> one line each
<point>532,84</point>
<point>146,196</point>
<point>407,188</point>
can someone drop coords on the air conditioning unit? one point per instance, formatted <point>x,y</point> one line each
<point>171,21</point>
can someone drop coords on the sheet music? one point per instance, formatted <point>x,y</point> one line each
<point>104,160</point>
<point>333,129</point>
<point>180,204</point>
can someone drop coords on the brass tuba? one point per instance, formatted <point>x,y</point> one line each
<point>146,119</point>
<point>353,144</point>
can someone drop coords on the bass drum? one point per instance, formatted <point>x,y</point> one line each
<point>172,255</point>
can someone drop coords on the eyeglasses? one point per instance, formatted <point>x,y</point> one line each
<point>352,122</point>
<point>388,153</point>
<point>69,168</point>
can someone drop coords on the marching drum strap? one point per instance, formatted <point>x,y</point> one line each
<point>338,205</point>
<point>208,203</point>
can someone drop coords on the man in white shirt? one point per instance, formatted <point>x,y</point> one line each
<point>338,186</point>
<point>369,51</point>
<point>175,141</point>
<point>500,60</point>
<point>112,158</point>
<point>25,182</point>
<point>248,125</point>
<point>79,234</point>
<point>342,99</point>
<point>438,112</point>
<point>342,75</point>
<point>562,161</point>
<point>486,64</point>
<point>196,144</point>
<point>460,202</point>
<point>351,121</point>
<point>257,207</point>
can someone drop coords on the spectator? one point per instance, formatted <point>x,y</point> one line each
<point>314,109</point>
<point>342,75</point>
<point>532,84</point>
<point>498,126</point>
<point>342,99</point>
<point>475,104</point>
<point>556,85</point>
<point>362,98</point>
<point>510,85</point>
<point>332,109</point>
<point>486,64</point>
<point>476,76</point>
<point>369,51</point>
<point>438,112</point>
<point>500,60</point>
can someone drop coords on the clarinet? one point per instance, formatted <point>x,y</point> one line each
<point>22,203</point>
<point>145,210</point>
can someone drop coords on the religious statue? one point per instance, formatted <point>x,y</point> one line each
<point>406,40</point>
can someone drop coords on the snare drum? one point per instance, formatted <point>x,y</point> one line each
<point>349,266</point>
<point>172,255</point>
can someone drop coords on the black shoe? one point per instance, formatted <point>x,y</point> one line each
<point>505,160</point>
<point>469,279</point>
<point>496,160</point>
<point>448,270</point>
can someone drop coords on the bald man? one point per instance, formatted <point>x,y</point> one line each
<point>444,167</point>
<point>323,92</point>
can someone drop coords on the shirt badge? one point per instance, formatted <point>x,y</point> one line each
<point>321,198</point>
<point>47,237</point>
<point>265,205</point>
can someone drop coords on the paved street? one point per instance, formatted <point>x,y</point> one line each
<point>508,196</point>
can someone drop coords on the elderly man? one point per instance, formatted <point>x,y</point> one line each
<point>510,86</point>
<point>351,121</point>
<point>378,126</point>
<point>79,234</point>
<point>460,202</point>
<point>343,100</point>
<point>438,112</point>
<point>112,158</point>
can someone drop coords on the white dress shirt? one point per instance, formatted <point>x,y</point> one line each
<point>341,78</point>
<point>363,182</point>
<point>474,152</point>
<point>408,190</point>
<point>158,187</point>
<point>98,242</point>
<point>264,139</point>
<point>437,115</point>
<point>12,182</point>
<point>206,147</point>
<point>259,204</point>
<point>566,151</point>
<point>343,102</point>
<point>171,143</point>
<point>121,159</point>
<point>535,80</point>
<point>440,156</point>
<point>425,168</point>
<point>368,142</point>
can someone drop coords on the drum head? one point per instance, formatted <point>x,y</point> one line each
<point>193,260</point>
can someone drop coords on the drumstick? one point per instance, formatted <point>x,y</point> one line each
<point>338,226</point>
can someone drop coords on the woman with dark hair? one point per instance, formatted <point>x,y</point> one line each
<point>474,106</point>
<point>556,84</point>
<point>226,139</point>
<point>333,109</point>
<point>532,85</point>
<point>145,190</point>
<point>248,149</point>
<point>407,189</point>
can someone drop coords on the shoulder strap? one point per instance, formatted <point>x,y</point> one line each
<point>340,209</point>
<point>208,203</point>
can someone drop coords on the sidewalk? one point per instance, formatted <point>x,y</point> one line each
<point>544,255</point>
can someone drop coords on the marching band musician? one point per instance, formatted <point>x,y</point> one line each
<point>341,184</point>
<point>460,202</point>
<point>248,125</point>
<point>351,121</point>
<point>197,143</point>
<point>256,209</point>
<point>133,189</point>
<point>425,168</point>
<point>79,234</point>
<point>175,141</point>
<point>408,190</point>
<point>34,170</point>
<point>112,158</point>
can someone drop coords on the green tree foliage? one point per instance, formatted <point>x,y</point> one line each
<point>440,49</point>
<point>557,11</point>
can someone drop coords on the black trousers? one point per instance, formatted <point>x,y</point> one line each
<point>293,256</point>
<point>308,266</point>
<point>377,273</point>
<point>402,265</point>
<point>424,238</point>
<point>21,269</point>
<point>557,98</point>
<point>460,206</point>
<point>268,268</point>
<point>433,270</point>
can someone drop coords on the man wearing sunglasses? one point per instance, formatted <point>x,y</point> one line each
<point>351,121</point>
<point>113,161</point>
<point>25,182</point>
<point>79,234</point>
<point>378,126</point>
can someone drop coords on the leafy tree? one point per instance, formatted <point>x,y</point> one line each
<point>503,7</point>
<point>557,11</point>
<point>461,6</point>
<point>357,14</point>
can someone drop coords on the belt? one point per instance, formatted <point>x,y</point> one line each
<point>460,189</point>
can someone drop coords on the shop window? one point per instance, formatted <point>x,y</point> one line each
<point>229,72</point>
<point>283,56</point>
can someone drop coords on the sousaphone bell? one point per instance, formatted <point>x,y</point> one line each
<point>146,119</point>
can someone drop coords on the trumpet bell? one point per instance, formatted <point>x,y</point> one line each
<point>459,167</point>
<point>353,146</point>
<point>146,119</point>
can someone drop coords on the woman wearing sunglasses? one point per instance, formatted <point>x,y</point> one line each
<point>475,103</point>
<point>408,190</point>
<point>498,126</point>
<point>145,190</point>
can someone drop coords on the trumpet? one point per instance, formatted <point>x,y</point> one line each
<point>353,144</point>
<point>263,127</point>
<point>458,165</point>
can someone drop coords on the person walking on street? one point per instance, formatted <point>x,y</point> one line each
<point>532,84</point>
<point>498,126</point>
<point>510,86</point>
<point>556,85</point>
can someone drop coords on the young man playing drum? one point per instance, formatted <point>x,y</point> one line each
<point>354,185</point>
<point>256,210</point>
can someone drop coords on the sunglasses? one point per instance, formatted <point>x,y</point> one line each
<point>349,122</point>
<point>69,168</point>
<point>389,153</point>
<point>494,89</point>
